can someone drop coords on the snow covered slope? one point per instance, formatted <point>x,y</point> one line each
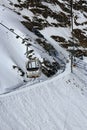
<point>53,13</point>
<point>12,51</point>
<point>58,103</point>
<point>9,52</point>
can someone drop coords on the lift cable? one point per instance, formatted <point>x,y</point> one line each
<point>24,39</point>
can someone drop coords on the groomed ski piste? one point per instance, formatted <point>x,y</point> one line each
<point>56,103</point>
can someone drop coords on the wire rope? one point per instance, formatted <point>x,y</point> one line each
<point>24,39</point>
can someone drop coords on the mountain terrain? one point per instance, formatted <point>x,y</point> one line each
<point>54,14</point>
<point>58,98</point>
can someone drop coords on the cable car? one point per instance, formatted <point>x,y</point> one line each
<point>33,68</point>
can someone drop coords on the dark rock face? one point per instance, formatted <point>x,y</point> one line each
<point>41,10</point>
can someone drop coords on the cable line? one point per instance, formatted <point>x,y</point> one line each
<point>24,39</point>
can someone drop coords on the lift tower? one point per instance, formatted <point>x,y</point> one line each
<point>72,53</point>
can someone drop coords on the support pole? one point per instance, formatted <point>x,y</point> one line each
<point>27,50</point>
<point>72,36</point>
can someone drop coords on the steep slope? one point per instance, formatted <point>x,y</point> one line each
<point>12,51</point>
<point>47,13</point>
<point>13,40</point>
<point>9,53</point>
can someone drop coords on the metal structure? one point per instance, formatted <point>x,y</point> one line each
<point>33,66</point>
<point>72,54</point>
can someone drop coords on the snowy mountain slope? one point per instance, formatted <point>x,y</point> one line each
<point>13,51</point>
<point>10,55</point>
<point>42,14</point>
<point>9,50</point>
<point>58,103</point>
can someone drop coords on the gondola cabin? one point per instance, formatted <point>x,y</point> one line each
<point>33,68</point>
